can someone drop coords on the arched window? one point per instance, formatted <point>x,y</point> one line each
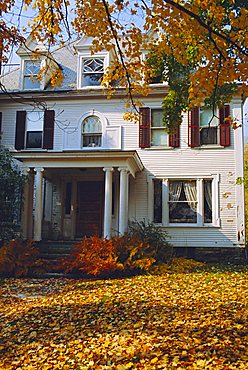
<point>91,132</point>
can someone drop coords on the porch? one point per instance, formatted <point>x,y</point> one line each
<point>74,194</point>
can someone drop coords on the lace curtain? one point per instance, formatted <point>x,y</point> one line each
<point>175,192</point>
<point>191,195</point>
<point>208,193</point>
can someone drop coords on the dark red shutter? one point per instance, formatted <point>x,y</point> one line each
<point>20,129</point>
<point>174,140</point>
<point>193,128</point>
<point>144,128</point>
<point>48,129</point>
<point>225,137</point>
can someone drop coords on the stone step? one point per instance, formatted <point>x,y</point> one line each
<point>55,247</point>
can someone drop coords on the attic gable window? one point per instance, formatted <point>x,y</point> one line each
<point>92,71</point>
<point>31,70</point>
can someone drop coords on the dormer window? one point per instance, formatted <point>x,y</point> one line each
<point>91,132</point>
<point>31,70</point>
<point>92,71</point>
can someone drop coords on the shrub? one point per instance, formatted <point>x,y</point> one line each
<point>100,257</point>
<point>11,186</point>
<point>155,237</point>
<point>19,258</point>
<point>93,256</point>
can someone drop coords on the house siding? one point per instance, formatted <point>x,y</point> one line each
<point>161,163</point>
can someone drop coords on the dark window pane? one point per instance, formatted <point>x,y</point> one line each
<point>182,201</point>
<point>34,139</point>
<point>68,198</point>
<point>92,79</point>
<point>208,201</point>
<point>92,140</point>
<point>182,213</point>
<point>208,135</point>
<point>157,201</point>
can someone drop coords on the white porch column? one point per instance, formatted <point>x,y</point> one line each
<point>30,205</point>
<point>123,206</point>
<point>108,202</point>
<point>25,215</point>
<point>38,212</point>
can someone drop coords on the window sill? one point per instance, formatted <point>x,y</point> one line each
<point>211,146</point>
<point>160,148</point>
<point>207,226</point>
<point>93,87</point>
<point>35,150</point>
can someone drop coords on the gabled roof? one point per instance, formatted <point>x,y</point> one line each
<point>65,56</point>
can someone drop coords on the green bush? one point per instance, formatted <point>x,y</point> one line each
<point>153,236</point>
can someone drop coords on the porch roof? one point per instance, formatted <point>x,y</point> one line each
<point>81,159</point>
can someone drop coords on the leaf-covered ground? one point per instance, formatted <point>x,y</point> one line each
<point>173,321</point>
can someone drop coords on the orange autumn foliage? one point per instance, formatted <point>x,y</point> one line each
<point>19,258</point>
<point>99,256</point>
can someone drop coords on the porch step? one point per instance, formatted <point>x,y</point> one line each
<point>51,249</point>
<point>51,252</point>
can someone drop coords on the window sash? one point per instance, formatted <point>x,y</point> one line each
<point>31,70</point>
<point>34,139</point>
<point>92,71</point>
<point>92,140</point>
<point>34,129</point>
<point>159,137</point>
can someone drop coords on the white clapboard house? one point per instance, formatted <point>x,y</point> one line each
<point>90,171</point>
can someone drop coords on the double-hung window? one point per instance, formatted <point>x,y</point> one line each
<point>185,201</point>
<point>208,127</point>
<point>159,136</point>
<point>92,71</point>
<point>34,129</point>
<point>30,73</point>
<point>152,131</point>
<point>182,202</point>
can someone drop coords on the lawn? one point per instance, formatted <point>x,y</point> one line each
<point>194,320</point>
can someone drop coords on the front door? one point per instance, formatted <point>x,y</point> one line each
<point>89,208</point>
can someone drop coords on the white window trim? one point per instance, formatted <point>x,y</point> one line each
<point>26,131</point>
<point>154,147</point>
<point>104,123</point>
<point>104,56</point>
<point>33,76</point>
<point>165,198</point>
<point>206,146</point>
